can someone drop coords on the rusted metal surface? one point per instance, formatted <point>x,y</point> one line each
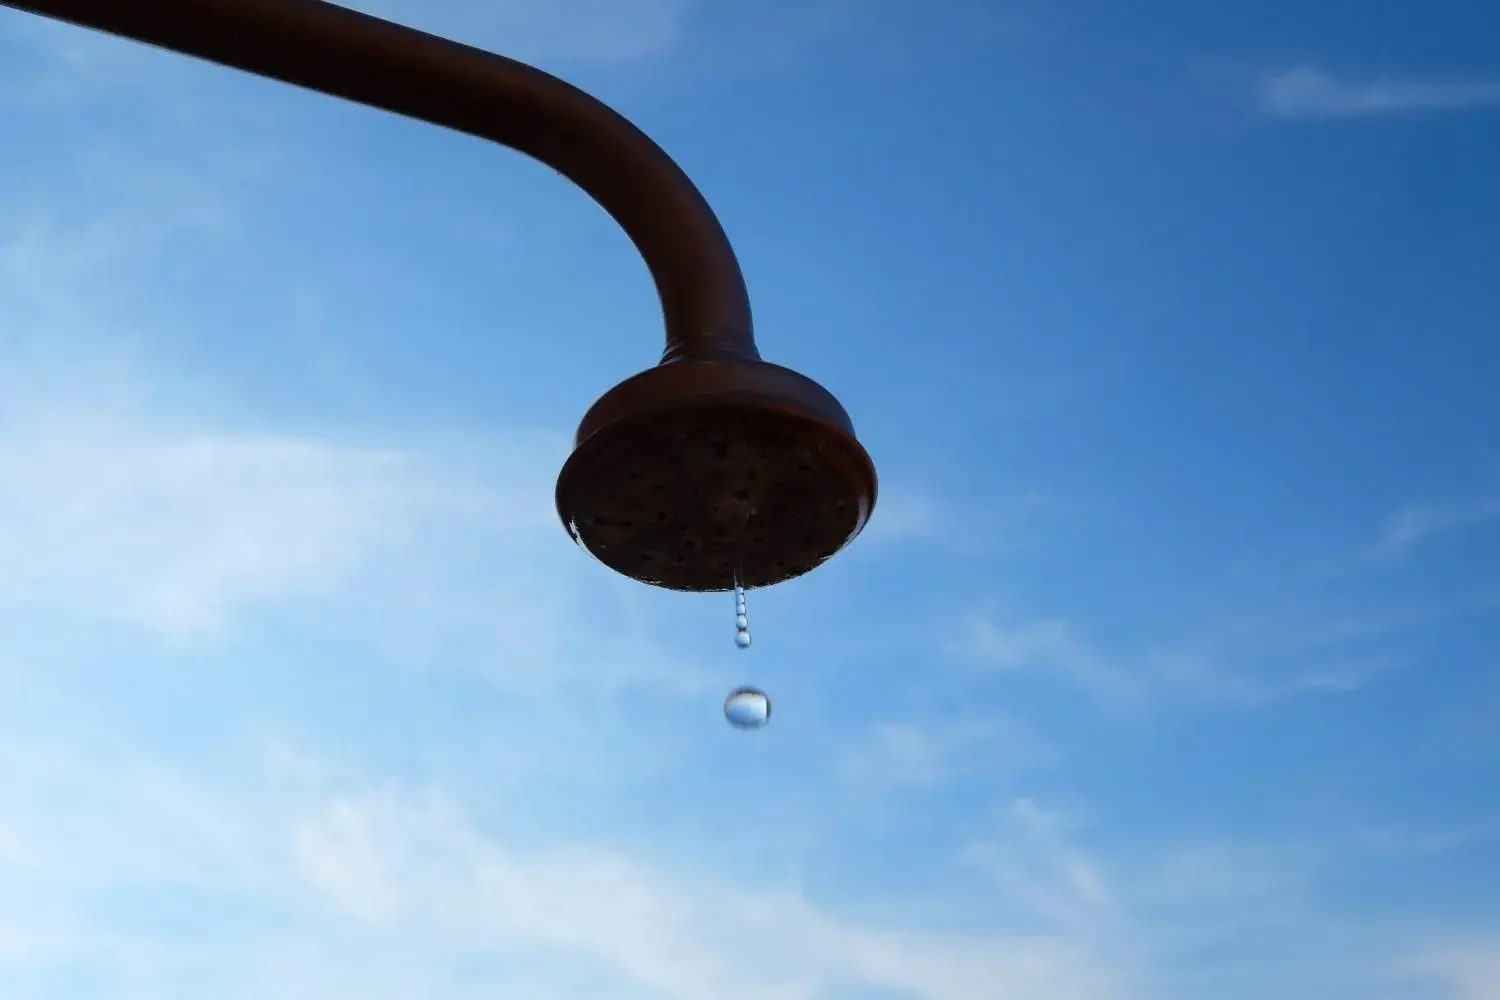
<point>688,470</point>
<point>689,494</point>
<point>711,463</point>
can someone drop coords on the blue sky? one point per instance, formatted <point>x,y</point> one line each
<point>1166,668</point>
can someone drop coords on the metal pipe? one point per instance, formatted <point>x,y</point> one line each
<point>343,53</point>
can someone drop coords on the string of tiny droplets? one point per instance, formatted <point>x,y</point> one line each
<point>741,621</point>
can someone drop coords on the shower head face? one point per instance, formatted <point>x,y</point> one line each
<point>716,475</point>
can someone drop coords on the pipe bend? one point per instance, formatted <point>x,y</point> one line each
<point>346,54</point>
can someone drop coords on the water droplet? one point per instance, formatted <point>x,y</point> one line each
<point>741,621</point>
<point>747,708</point>
<point>577,535</point>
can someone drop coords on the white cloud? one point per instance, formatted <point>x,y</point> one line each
<point>1409,528</point>
<point>1191,917</point>
<point>908,514</point>
<point>1044,877</point>
<point>1049,645</point>
<point>1262,667</point>
<point>79,241</point>
<point>1208,678</point>
<point>1405,532</point>
<point>690,943</point>
<point>106,516</point>
<point>176,535</point>
<point>1409,841</point>
<point>923,753</point>
<point>410,877</point>
<point>1306,92</point>
<point>341,860</point>
<point>1463,970</point>
<point>1231,879</point>
<point>905,514</point>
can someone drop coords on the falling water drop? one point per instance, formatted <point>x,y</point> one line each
<point>747,708</point>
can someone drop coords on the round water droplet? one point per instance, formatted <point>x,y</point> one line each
<point>742,638</point>
<point>747,708</point>
<point>741,622</point>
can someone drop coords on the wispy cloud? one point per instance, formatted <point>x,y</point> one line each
<point>110,514</point>
<point>1237,671</point>
<point>410,876</point>
<point>1058,865</point>
<point>447,880</point>
<point>1462,969</point>
<point>1052,647</point>
<point>1213,679</point>
<point>175,535</point>
<point>1306,92</point>
<point>1043,876</point>
<point>1409,528</point>
<point>1408,841</point>
<point>907,514</point>
<point>1193,917</point>
<point>1405,532</point>
<point>1179,913</point>
<point>928,752</point>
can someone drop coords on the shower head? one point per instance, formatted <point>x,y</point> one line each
<point>696,472</point>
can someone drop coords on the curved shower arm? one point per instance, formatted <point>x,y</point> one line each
<point>343,53</point>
